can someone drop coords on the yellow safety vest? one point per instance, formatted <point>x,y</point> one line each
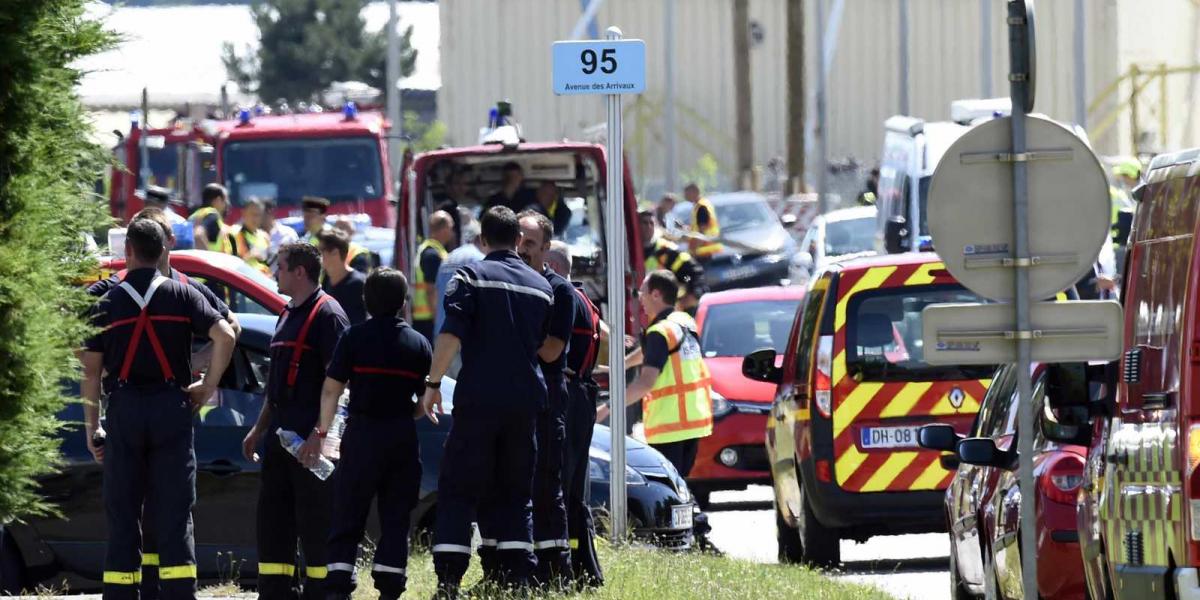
<point>705,250</point>
<point>252,247</point>
<point>422,311</point>
<point>679,407</point>
<point>355,251</point>
<point>659,257</point>
<point>197,219</point>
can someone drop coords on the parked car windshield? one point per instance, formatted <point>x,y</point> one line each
<point>741,328</point>
<point>340,169</point>
<point>849,236</point>
<point>754,214</point>
<point>884,340</point>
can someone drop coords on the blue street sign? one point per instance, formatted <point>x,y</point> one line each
<point>600,67</point>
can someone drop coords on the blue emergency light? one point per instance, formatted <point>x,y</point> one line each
<point>350,111</point>
<point>135,118</point>
<point>244,116</point>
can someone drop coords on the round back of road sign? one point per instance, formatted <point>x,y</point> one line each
<point>970,208</point>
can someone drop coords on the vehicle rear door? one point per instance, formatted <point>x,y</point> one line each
<point>883,391</point>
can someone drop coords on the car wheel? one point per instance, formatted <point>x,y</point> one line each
<point>790,550</point>
<point>958,589</point>
<point>822,546</point>
<point>12,568</point>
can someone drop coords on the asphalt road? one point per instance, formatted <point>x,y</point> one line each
<point>906,566</point>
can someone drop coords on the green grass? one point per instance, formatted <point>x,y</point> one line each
<point>635,573</point>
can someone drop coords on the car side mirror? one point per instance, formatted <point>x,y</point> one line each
<point>1071,427</point>
<point>1067,385</point>
<point>938,437</point>
<point>895,234</point>
<point>983,452</point>
<point>760,366</point>
<point>949,462</point>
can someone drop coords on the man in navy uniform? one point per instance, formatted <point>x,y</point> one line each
<point>385,361</point>
<point>549,511</point>
<point>340,281</point>
<point>496,312</point>
<point>142,358</point>
<point>292,501</point>
<point>587,332</point>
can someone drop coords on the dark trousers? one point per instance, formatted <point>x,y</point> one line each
<point>424,328</point>
<point>682,454</point>
<point>549,507</point>
<point>581,418</point>
<point>292,503</point>
<point>149,460</point>
<point>380,458</point>
<point>488,465</point>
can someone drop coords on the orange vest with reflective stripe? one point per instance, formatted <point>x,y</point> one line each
<point>679,407</point>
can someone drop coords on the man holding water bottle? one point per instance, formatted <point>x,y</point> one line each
<point>293,502</point>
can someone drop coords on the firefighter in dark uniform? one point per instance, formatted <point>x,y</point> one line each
<point>142,357</point>
<point>549,509</point>
<point>496,311</point>
<point>385,361</point>
<point>150,558</point>
<point>587,332</point>
<point>292,501</point>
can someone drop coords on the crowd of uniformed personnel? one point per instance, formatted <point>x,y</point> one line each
<point>522,338</point>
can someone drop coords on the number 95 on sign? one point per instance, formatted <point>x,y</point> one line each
<point>599,67</point>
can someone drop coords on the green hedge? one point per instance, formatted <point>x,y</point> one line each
<point>48,169</point>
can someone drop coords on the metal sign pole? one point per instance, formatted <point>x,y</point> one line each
<point>1019,73</point>
<point>616,310</point>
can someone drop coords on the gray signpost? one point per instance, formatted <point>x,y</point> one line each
<point>610,67</point>
<point>1041,178</point>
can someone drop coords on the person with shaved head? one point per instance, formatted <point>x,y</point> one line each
<point>430,255</point>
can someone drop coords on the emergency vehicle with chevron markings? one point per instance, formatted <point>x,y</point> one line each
<point>852,392</point>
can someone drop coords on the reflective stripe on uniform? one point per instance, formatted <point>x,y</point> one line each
<point>455,548</point>
<point>551,544</point>
<point>177,572</point>
<point>316,572</point>
<point>149,560</point>
<point>573,543</point>
<point>276,569</point>
<point>487,542</point>
<point>122,577</point>
<point>504,285</point>
<point>340,567</point>
<point>687,382</point>
<point>515,546</point>
<point>378,568</point>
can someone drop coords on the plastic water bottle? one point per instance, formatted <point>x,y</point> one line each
<point>292,442</point>
<point>337,430</point>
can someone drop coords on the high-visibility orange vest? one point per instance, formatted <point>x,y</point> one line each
<point>422,311</point>
<point>679,407</point>
<point>712,231</point>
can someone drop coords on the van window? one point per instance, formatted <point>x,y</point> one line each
<point>1003,383</point>
<point>884,339</point>
<point>808,330</point>
<point>1160,271</point>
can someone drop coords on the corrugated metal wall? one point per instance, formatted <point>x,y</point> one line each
<point>494,49</point>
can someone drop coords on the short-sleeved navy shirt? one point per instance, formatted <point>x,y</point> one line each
<point>385,361</point>
<point>562,320</point>
<point>349,294</point>
<point>177,312</point>
<point>582,335</point>
<point>498,307</point>
<point>654,345</point>
<point>296,407</point>
<point>102,287</point>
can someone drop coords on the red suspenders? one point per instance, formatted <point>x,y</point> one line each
<point>298,346</point>
<point>144,322</point>
<point>589,359</point>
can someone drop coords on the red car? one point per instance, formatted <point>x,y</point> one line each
<point>244,288</point>
<point>983,502</point>
<point>733,324</point>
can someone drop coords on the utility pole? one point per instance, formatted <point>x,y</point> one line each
<point>985,48</point>
<point>672,159</point>
<point>796,95</point>
<point>392,93</point>
<point>741,81</point>
<point>905,109</point>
